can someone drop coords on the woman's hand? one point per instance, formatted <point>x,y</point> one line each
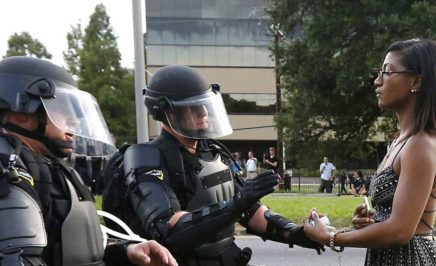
<point>315,229</point>
<point>150,253</point>
<point>362,217</point>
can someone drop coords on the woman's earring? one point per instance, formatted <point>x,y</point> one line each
<point>413,91</point>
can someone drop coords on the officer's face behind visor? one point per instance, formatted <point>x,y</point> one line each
<point>78,113</point>
<point>200,117</point>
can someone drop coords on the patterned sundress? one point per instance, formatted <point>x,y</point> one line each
<point>419,250</point>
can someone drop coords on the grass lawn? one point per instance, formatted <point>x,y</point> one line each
<point>338,209</point>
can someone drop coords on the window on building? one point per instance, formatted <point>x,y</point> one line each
<point>250,103</point>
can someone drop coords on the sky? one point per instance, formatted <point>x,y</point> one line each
<point>50,21</point>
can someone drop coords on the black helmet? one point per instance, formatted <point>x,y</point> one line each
<point>32,85</point>
<point>181,97</point>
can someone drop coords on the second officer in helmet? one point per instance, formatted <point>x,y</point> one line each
<point>180,189</point>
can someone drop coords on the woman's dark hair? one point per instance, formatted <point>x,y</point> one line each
<point>419,55</point>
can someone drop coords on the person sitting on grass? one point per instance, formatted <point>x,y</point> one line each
<point>358,185</point>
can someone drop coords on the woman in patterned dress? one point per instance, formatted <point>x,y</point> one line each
<point>399,231</point>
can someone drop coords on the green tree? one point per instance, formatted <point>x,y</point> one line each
<point>72,56</point>
<point>93,56</point>
<point>24,44</point>
<point>327,67</point>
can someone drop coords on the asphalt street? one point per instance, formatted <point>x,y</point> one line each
<point>277,254</point>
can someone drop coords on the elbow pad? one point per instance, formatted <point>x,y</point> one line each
<point>151,203</point>
<point>151,199</point>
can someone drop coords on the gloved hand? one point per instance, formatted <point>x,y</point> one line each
<point>299,238</point>
<point>254,189</point>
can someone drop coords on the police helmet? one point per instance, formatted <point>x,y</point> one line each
<point>180,97</point>
<point>32,85</point>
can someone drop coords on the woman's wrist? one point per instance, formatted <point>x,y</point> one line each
<point>333,243</point>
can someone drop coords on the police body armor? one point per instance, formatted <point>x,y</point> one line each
<point>29,238</point>
<point>200,184</point>
<point>74,235</point>
<point>213,184</point>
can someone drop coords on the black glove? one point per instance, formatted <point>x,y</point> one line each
<point>254,189</point>
<point>298,237</point>
<point>278,225</point>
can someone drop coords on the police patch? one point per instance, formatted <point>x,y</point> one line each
<point>156,173</point>
<point>17,175</point>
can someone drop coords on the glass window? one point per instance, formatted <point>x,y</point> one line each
<point>154,55</point>
<point>248,56</point>
<point>255,103</point>
<point>209,55</point>
<point>182,55</point>
<point>235,56</point>
<point>168,36</point>
<point>168,55</point>
<point>222,56</point>
<point>234,28</point>
<point>262,56</point>
<point>221,33</point>
<point>196,56</point>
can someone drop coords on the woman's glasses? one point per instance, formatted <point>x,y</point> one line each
<point>382,73</point>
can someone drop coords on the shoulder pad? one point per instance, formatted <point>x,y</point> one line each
<point>22,222</point>
<point>142,155</point>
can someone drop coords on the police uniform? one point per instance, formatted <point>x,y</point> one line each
<point>47,215</point>
<point>199,184</point>
<point>57,194</point>
<point>163,178</point>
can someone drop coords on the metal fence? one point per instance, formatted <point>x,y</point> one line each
<point>304,184</point>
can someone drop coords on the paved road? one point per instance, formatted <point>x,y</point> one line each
<point>276,254</point>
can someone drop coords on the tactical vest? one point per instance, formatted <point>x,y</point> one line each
<point>73,229</point>
<point>199,180</point>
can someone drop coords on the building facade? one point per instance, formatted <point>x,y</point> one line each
<point>228,41</point>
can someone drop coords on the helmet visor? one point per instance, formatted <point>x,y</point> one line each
<point>200,117</point>
<point>78,113</point>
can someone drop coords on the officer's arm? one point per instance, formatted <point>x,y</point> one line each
<point>273,226</point>
<point>155,203</point>
<point>204,223</point>
<point>160,216</point>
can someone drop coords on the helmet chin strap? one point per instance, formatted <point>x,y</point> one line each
<point>54,146</point>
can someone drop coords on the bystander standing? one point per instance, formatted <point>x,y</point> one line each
<point>328,172</point>
<point>237,166</point>
<point>251,165</point>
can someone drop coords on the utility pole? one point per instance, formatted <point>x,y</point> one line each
<point>138,36</point>
<point>278,37</point>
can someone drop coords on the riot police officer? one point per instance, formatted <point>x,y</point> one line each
<point>47,215</point>
<point>180,189</point>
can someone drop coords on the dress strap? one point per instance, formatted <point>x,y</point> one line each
<point>424,234</point>
<point>402,145</point>
<point>424,222</point>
